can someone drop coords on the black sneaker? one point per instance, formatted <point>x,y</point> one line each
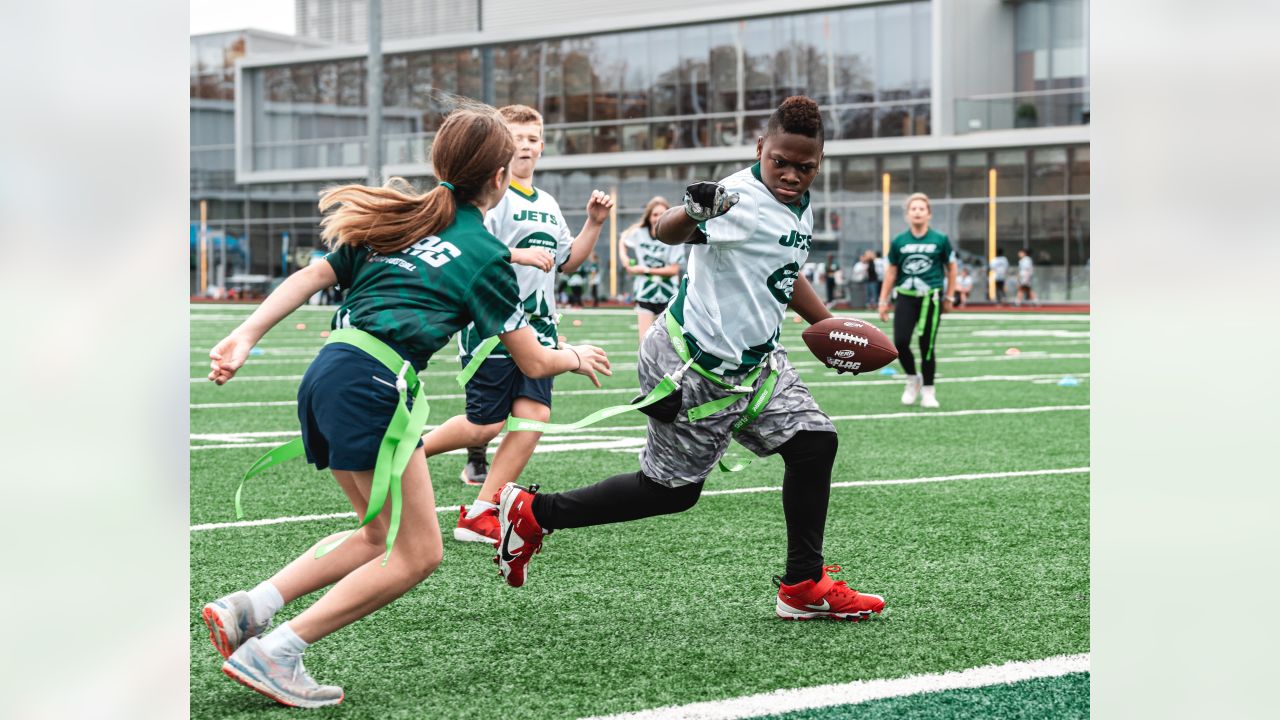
<point>477,468</point>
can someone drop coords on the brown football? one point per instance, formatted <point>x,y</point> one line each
<point>850,345</point>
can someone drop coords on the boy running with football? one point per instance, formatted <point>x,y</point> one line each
<point>750,235</point>
<point>529,222</point>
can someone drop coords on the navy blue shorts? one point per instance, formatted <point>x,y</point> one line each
<point>345,403</point>
<point>494,388</point>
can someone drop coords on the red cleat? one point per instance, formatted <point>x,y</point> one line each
<point>521,536</point>
<point>825,598</point>
<point>481,528</point>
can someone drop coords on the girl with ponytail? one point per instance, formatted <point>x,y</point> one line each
<point>417,268</point>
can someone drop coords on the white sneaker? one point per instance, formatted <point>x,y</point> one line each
<point>912,390</point>
<point>288,683</point>
<point>230,622</point>
<point>927,397</point>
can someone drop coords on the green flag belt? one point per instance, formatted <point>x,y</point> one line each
<point>482,352</point>
<point>929,312</point>
<point>669,384</point>
<point>398,442</point>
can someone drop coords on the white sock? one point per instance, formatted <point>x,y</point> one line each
<point>266,600</point>
<point>479,508</point>
<point>283,643</point>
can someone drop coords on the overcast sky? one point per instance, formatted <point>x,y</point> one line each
<point>216,15</point>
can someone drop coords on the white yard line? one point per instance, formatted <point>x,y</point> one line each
<point>736,491</point>
<point>792,700</point>
<point>851,383</point>
<point>589,442</point>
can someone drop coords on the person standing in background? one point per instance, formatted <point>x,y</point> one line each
<point>1000,271</point>
<point>1026,273</point>
<point>964,286</point>
<point>922,277</point>
<point>656,265</point>
<point>873,275</point>
<point>833,278</point>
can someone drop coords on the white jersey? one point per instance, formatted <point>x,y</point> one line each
<point>1000,266</point>
<point>651,252</point>
<point>740,282</point>
<point>523,220</point>
<point>1025,270</point>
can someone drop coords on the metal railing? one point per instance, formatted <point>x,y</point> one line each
<point>1004,111</point>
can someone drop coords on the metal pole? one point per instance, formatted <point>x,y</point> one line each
<point>613,245</point>
<point>991,232</point>
<point>884,216</point>
<point>204,246</point>
<point>375,92</point>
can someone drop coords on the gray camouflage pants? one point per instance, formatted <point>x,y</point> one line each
<point>681,452</point>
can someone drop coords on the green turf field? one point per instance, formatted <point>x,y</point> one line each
<point>982,562</point>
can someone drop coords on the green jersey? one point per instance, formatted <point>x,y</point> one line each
<point>417,298</point>
<point>921,261</point>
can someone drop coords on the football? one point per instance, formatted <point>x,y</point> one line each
<point>849,345</point>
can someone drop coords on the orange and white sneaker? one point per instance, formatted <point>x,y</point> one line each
<point>481,528</point>
<point>521,535</point>
<point>825,598</point>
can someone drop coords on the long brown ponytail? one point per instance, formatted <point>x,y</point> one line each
<point>469,148</point>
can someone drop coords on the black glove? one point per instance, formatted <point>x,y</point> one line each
<point>704,200</point>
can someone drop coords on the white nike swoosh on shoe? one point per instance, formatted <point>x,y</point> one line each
<point>824,606</point>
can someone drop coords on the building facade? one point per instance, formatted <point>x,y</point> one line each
<point>641,98</point>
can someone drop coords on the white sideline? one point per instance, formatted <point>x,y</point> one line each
<point>783,701</point>
<point>624,444</point>
<point>851,383</point>
<point>735,491</point>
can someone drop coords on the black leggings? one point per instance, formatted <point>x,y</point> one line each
<point>906,315</point>
<point>806,488</point>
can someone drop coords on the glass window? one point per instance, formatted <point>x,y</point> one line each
<point>351,83</point>
<point>858,180</point>
<point>723,70</point>
<point>1049,171</point>
<point>931,174</point>
<point>856,57</point>
<point>893,38</point>
<point>470,73</point>
<point>856,123</point>
<point>759,47</point>
<point>1047,242</point>
<point>606,62</point>
<point>969,178</point>
<point>893,121</point>
<point>577,81</point>
<point>813,42</point>
<point>551,89</point>
<point>1011,228</point>
<point>695,49</point>
<point>969,235</point>
<point>1031,54</point>
<point>1011,169</point>
<point>663,54</point>
<point>787,60</point>
<point>1069,56</point>
<point>635,75</point>
<point>395,82</point>
<point>1078,265</point>
<point>898,167</point>
<point>922,49</point>
<point>1080,171</point>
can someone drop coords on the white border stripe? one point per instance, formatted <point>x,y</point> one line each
<point>736,491</point>
<point>781,701</point>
